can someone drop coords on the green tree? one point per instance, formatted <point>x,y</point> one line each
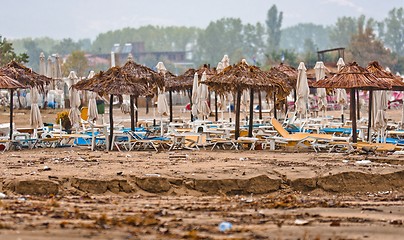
<point>365,47</point>
<point>342,32</point>
<point>7,53</point>
<point>66,46</point>
<point>224,36</point>
<point>274,24</point>
<point>318,34</point>
<point>309,56</point>
<point>254,43</point>
<point>77,62</point>
<point>394,35</point>
<point>33,51</point>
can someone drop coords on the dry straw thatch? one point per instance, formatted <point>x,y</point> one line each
<point>113,81</point>
<point>353,76</point>
<point>25,76</point>
<point>238,78</point>
<point>290,71</point>
<point>383,75</point>
<point>9,83</point>
<point>131,79</point>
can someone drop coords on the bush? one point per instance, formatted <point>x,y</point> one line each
<point>64,116</point>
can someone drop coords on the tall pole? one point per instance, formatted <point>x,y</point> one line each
<point>260,104</point>
<point>216,115</point>
<point>132,113</point>
<point>358,109</point>
<point>370,114</point>
<point>353,116</point>
<point>251,120</point>
<point>237,128</point>
<point>170,94</point>
<point>11,112</point>
<point>275,105</point>
<point>111,122</point>
<point>136,113</point>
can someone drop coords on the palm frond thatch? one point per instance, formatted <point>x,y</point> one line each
<point>240,77</point>
<point>9,83</point>
<point>353,76</point>
<point>383,75</point>
<point>143,74</point>
<point>290,71</point>
<point>25,76</point>
<point>113,81</point>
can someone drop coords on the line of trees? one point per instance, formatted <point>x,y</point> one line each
<point>262,44</point>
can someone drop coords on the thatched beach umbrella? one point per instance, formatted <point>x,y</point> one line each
<point>353,77</point>
<point>236,79</point>
<point>115,81</point>
<point>8,83</point>
<point>377,99</point>
<point>283,87</point>
<point>142,75</point>
<point>25,75</point>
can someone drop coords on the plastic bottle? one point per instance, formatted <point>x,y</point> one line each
<point>224,226</point>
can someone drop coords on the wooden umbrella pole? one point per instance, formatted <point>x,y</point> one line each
<point>370,114</point>
<point>275,106</point>
<point>136,113</point>
<point>216,115</point>
<point>11,113</point>
<point>170,95</point>
<point>353,116</point>
<point>132,114</point>
<point>237,128</point>
<point>251,120</point>
<point>260,104</point>
<point>111,122</point>
<point>190,104</point>
<point>358,109</point>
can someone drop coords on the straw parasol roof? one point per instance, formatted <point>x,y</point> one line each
<point>378,71</point>
<point>143,74</point>
<point>24,75</point>
<point>290,71</point>
<point>185,81</point>
<point>113,81</point>
<point>281,81</point>
<point>353,76</point>
<point>240,77</point>
<point>9,83</point>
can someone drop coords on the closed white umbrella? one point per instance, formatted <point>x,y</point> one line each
<point>226,62</point>
<point>319,69</point>
<point>194,108</point>
<point>220,98</point>
<point>342,97</point>
<point>245,102</point>
<point>203,95</point>
<point>42,71</point>
<point>379,107</point>
<point>92,103</point>
<point>35,116</point>
<point>162,104</point>
<point>302,89</point>
<point>74,113</point>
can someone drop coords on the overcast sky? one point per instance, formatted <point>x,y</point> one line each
<point>79,19</point>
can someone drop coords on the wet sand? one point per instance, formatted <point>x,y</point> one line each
<point>74,193</point>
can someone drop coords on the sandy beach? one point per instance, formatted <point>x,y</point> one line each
<point>75,193</point>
